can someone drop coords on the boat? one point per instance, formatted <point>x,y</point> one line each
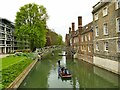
<point>63,74</point>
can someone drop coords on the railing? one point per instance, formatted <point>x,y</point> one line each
<point>2,44</point>
<point>2,31</point>
<point>2,38</point>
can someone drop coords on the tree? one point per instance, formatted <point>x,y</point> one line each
<point>53,38</point>
<point>59,40</point>
<point>30,22</point>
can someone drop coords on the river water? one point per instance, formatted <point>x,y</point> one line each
<point>84,75</point>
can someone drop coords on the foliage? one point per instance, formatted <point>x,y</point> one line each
<point>9,60</point>
<point>9,74</point>
<point>30,25</point>
<point>23,50</point>
<point>53,38</point>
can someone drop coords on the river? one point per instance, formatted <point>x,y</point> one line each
<point>84,75</point>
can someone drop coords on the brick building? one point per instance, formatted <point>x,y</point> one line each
<point>81,41</point>
<point>86,43</point>
<point>106,25</point>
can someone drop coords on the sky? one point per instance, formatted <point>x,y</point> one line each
<point>61,12</point>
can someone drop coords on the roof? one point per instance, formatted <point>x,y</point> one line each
<point>4,20</point>
<point>87,28</point>
<point>99,5</point>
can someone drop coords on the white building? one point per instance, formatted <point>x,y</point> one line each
<point>6,36</point>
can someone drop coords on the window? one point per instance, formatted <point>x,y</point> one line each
<point>86,27</point>
<point>105,29</point>
<point>105,11</point>
<point>97,31</point>
<point>89,36</point>
<point>97,47</point>
<point>106,46</point>
<point>85,38</point>
<point>96,16</point>
<point>89,49</point>
<point>117,4</point>
<point>118,25</point>
<point>82,38</point>
<point>118,46</point>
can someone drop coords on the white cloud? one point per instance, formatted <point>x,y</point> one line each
<point>61,12</point>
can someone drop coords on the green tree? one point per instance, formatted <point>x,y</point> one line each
<point>59,40</point>
<point>30,22</point>
<point>53,38</point>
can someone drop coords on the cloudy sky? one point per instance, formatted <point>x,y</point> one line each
<point>61,12</point>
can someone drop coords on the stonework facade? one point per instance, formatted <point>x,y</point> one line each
<point>99,41</point>
<point>106,36</point>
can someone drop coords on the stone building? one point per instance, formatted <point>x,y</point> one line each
<point>106,27</point>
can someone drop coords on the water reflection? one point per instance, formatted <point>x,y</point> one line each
<point>84,75</point>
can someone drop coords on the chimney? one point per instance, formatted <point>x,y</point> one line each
<point>69,29</point>
<point>73,27</point>
<point>79,22</point>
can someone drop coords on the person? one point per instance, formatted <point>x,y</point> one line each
<point>65,71</point>
<point>59,70</point>
<point>59,62</point>
<point>62,70</point>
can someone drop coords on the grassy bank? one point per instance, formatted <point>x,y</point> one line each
<point>12,66</point>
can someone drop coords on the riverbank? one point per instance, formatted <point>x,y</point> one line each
<point>107,64</point>
<point>14,67</point>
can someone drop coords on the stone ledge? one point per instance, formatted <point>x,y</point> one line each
<point>21,77</point>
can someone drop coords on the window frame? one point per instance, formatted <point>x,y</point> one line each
<point>96,16</point>
<point>97,46</point>
<point>105,11</point>
<point>105,29</point>
<point>96,31</point>
<point>82,39</point>
<point>85,37</point>
<point>106,46</point>
<point>118,24</point>
<point>89,37</point>
<point>89,48</point>
<point>116,4</point>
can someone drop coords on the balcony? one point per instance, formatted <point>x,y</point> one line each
<point>9,33</point>
<point>2,45</point>
<point>8,45</point>
<point>2,38</point>
<point>2,31</point>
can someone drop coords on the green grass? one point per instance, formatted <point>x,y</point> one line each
<point>12,66</point>
<point>10,60</point>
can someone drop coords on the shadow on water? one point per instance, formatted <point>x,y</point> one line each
<point>84,75</point>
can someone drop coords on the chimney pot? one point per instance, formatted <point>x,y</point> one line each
<point>73,26</point>
<point>79,22</point>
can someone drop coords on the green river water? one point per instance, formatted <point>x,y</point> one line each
<point>84,75</point>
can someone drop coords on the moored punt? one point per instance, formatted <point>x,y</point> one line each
<point>65,75</point>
